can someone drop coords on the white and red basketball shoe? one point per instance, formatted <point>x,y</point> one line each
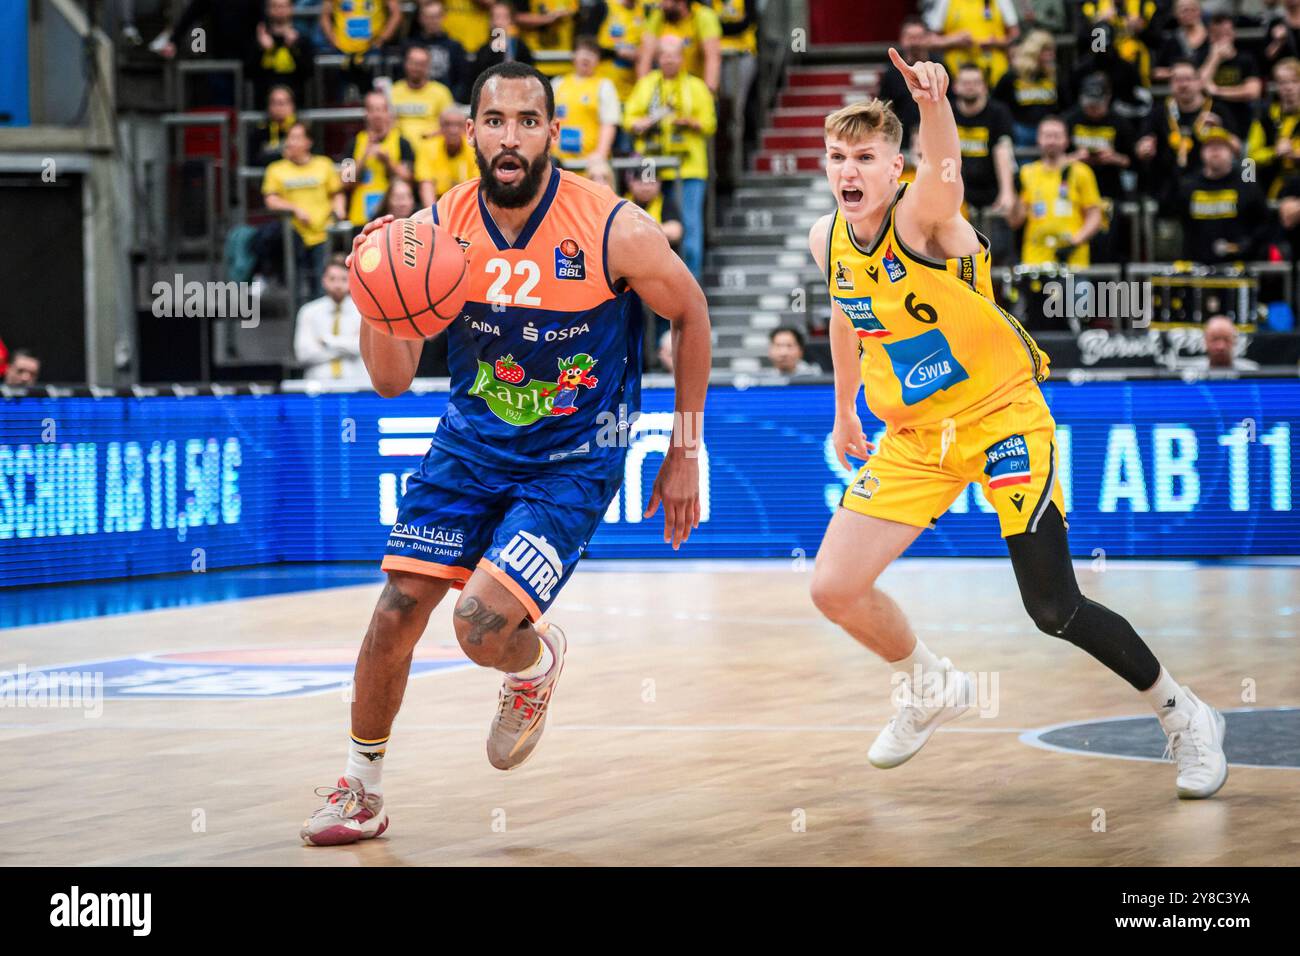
<point>522,708</point>
<point>348,815</point>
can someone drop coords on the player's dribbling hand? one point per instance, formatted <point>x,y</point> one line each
<point>927,82</point>
<point>848,438</point>
<point>366,230</point>
<point>678,486</point>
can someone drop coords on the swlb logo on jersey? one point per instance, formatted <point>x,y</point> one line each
<point>843,277</point>
<point>570,260</point>
<point>924,365</point>
<point>894,267</point>
<point>1008,462</point>
<point>863,318</point>
<point>535,561</point>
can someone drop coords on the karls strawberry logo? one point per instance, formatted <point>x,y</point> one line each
<point>524,404</point>
<point>508,370</point>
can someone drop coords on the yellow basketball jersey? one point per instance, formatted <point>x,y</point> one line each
<point>933,343</point>
<point>357,23</point>
<point>372,176</point>
<point>467,23</point>
<point>556,38</point>
<point>577,107</point>
<point>982,19</point>
<point>621,27</point>
<point>733,11</point>
<point>418,111</point>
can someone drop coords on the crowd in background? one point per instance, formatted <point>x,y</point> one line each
<point>1067,113</point>
<point>631,79</point>
<point>1159,99</point>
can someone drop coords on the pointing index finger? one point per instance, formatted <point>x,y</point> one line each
<point>901,64</point>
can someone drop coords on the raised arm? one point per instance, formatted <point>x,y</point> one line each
<point>938,175</point>
<point>638,252</point>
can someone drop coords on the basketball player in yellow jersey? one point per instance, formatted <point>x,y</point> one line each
<point>955,380</point>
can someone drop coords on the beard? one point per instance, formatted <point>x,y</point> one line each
<point>523,190</point>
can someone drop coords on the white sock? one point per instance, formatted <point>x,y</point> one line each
<point>1165,696</point>
<point>366,762</point>
<point>545,661</point>
<point>921,656</point>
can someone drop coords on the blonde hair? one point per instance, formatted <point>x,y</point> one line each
<point>864,119</point>
<point>1025,57</point>
<point>1287,63</point>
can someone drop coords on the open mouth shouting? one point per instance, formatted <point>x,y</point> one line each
<point>850,197</point>
<point>508,168</point>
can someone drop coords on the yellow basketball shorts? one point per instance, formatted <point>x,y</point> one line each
<point>917,473</point>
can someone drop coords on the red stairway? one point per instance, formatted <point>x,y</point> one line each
<point>792,140</point>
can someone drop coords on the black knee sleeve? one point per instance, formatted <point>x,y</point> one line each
<point>1041,560</point>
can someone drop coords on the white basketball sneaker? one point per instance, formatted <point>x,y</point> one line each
<point>522,708</point>
<point>920,715</point>
<point>1196,745</point>
<point>349,814</point>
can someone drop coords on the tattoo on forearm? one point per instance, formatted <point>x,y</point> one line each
<point>483,620</point>
<point>393,599</point>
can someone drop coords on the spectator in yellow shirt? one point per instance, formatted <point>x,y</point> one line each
<point>974,31</point>
<point>418,100</point>
<point>671,113</point>
<point>309,187</point>
<point>377,155</point>
<point>700,32</point>
<point>266,141</point>
<point>357,27</point>
<point>618,26</point>
<point>548,27</point>
<point>587,107</point>
<point>1059,204</point>
<point>647,192</point>
<point>467,22</point>
<point>1274,142</point>
<point>738,20</point>
<point>445,160</point>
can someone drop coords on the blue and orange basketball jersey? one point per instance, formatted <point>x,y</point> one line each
<point>545,356</point>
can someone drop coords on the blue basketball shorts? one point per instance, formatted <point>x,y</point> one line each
<point>526,529</point>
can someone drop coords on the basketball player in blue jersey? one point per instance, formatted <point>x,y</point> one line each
<point>545,365</point>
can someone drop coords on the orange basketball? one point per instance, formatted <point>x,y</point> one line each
<point>409,279</point>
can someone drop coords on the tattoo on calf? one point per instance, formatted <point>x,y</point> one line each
<point>393,599</point>
<point>483,620</point>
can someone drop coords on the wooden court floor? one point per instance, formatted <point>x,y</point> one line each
<point>706,716</point>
